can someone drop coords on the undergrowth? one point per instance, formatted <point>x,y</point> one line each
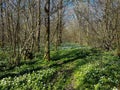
<point>69,69</point>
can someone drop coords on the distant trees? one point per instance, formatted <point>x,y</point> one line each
<point>101,18</point>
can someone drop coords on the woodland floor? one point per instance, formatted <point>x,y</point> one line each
<point>71,68</point>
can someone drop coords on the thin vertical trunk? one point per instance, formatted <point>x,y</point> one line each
<point>33,27</point>
<point>13,34</point>
<point>60,23</point>
<point>47,47</point>
<point>2,21</point>
<point>88,12</point>
<point>39,25</point>
<point>8,26</point>
<point>57,31</point>
<point>17,31</point>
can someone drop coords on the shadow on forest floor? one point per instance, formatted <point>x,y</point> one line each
<point>59,58</point>
<point>77,53</point>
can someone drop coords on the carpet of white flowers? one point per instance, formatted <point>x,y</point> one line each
<point>74,69</point>
<point>35,81</point>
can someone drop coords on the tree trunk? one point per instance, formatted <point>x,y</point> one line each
<point>60,23</point>
<point>2,21</point>
<point>47,47</point>
<point>39,26</point>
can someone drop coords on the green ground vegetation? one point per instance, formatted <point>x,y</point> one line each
<point>70,68</point>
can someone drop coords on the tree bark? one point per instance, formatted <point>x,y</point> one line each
<point>47,47</point>
<point>2,21</point>
<point>39,25</point>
